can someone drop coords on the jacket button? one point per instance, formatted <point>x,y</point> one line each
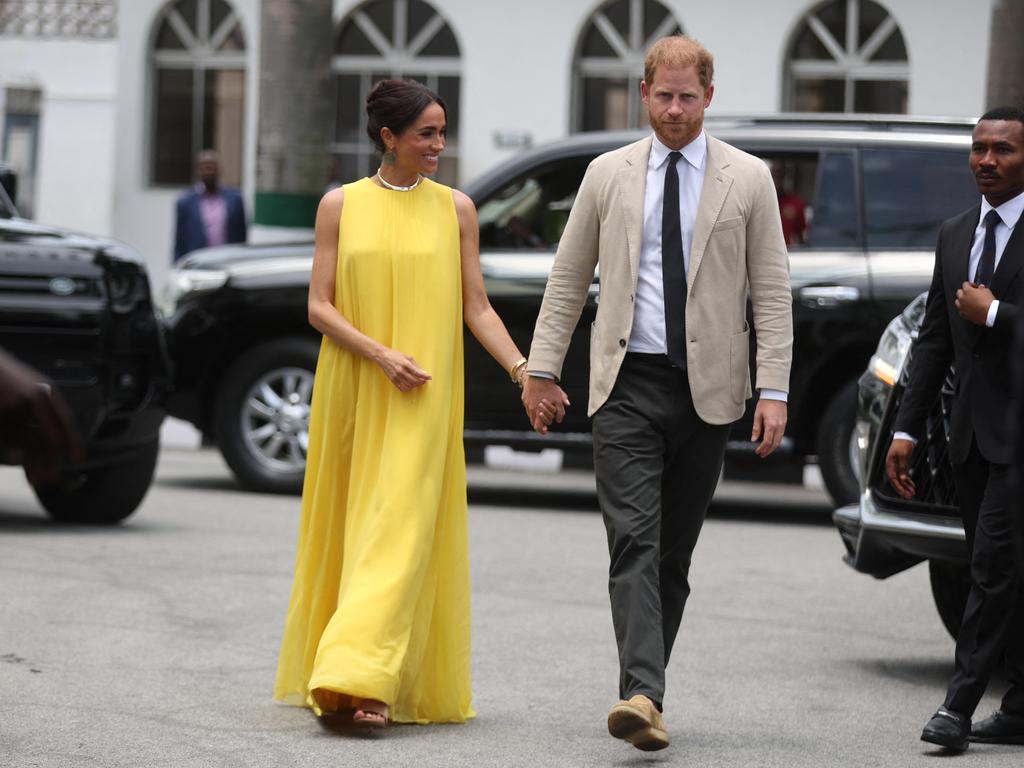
<point>622,342</point>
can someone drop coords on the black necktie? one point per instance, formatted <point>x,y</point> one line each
<point>672,267</point>
<point>987,264</point>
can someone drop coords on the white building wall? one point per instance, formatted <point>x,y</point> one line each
<point>517,60</point>
<point>948,44</point>
<point>144,213</point>
<point>77,124</point>
<point>516,78</point>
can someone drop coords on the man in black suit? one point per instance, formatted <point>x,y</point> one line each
<point>977,291</point>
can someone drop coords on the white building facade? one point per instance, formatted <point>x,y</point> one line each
<point>103,104</point>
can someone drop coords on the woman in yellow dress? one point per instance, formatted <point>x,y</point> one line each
<point>379,618</point>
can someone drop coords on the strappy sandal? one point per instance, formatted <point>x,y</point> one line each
<point>371,715</point>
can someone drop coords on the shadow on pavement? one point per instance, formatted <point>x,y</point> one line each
<point>208,483</point>
<point>753,509</point>
<point>533,497</point>
<point>770,510</point>
<point>920,671</point>
<point>16,521</point>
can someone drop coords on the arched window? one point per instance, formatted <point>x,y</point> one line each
<point>609,63</point>
<point>198,60</point>
<point>391,39</point>
<point>847,56</point>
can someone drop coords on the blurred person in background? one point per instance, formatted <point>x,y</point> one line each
<point>208,214</point>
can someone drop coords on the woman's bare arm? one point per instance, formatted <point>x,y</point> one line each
<point>400,368</point>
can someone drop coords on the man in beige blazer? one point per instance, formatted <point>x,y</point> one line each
<point>682,228</point>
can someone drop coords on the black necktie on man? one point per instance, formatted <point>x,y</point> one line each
<point>987,263</point>
<point>673,267</point>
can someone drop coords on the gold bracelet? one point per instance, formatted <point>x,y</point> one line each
<point>515,369</point>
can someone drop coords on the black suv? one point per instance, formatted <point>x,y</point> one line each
<point>78,309</point>
<point>884,533</point>
<point>861,202</point>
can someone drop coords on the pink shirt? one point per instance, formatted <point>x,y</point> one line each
<point>213,210</point>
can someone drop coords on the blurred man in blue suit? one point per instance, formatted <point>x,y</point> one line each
<point>208,214</point>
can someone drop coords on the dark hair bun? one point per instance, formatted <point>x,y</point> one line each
<point>396,104</point>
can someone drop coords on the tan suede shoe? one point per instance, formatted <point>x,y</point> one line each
<point>639,722</point>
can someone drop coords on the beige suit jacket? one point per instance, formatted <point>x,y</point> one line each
<point>738,251</point>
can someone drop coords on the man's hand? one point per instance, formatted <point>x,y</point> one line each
<point>769,423</point>
<point>897,466</point>
<point>973,302</point>
<point>36,428</point>
<point>544,402</point>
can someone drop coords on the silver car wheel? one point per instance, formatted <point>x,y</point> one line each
<point>275,418</point>
<point>855,455</point>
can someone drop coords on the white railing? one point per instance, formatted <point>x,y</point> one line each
<point>63,19</point>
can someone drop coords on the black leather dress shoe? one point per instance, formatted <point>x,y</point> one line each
<point>948,729</point>
<point>999,728</point>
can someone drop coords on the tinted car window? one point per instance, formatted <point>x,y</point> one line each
<point>908,193</point>
<point>530,212</point>
<point>834,220</point>
<point>795,176</point>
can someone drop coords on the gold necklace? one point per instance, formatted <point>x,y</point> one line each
<point>397,188</point>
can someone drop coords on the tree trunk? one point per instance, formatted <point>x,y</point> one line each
<point>1006,55</point>
<point>295,112</point>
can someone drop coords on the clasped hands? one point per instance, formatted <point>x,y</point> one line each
<point>545,402</point>
<point>973,302</point>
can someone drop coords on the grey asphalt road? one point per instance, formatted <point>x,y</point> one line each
<point>154,643</point>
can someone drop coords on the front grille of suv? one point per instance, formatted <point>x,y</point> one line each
<point>930,466</point>
<point>52,305</point>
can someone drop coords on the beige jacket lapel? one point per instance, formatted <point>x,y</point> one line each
<point>630,182</point>
<point>712,197</point>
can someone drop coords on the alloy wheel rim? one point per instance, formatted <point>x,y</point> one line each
<point>275,419</point>
<point>854,456</point>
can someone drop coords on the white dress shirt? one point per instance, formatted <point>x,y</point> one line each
<point>648,333</point>
<point>1009,214</point>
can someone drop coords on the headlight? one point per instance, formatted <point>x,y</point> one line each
<point>183,282</point>
<point>887,362</point>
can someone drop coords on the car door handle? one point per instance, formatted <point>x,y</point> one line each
<point>829,295</point>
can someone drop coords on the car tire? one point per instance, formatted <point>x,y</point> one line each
<point>836,447</point>
<point>103,495</point>
<point>951,583</point>
<point>262,414</point>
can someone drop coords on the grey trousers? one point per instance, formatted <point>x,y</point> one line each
<point>657,464</point>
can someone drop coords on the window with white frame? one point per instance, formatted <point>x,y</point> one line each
<point>609,63</point>
<point>847,56</point>
<point>198,85</point>
<point>384,39</point>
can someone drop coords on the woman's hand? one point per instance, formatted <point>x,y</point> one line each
<point>401,369</point>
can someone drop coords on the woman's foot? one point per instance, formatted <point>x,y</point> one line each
<point>371,714</point>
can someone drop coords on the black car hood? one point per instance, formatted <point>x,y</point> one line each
<point>226,257</point>
<point>65,243</point>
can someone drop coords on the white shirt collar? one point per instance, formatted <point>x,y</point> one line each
<point>695,152</point>
<point>1009,212</point>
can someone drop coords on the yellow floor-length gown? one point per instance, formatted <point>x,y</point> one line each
<point>380,602</point>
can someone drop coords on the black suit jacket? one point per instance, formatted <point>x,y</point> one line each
<point>981,355</point>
